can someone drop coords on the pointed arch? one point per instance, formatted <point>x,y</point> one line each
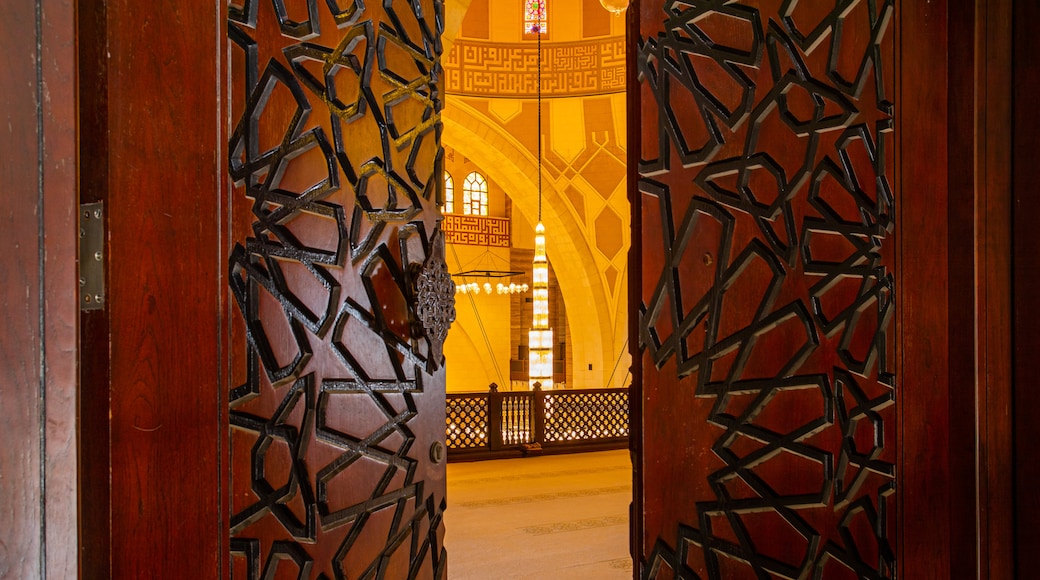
<point>475,194</point>
<point>449,194</point>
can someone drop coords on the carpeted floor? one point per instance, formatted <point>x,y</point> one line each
<point>550,517</point>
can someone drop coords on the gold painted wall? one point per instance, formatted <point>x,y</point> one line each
<point>487,341</point>
<point>493,124</point>
<point>477,350</point>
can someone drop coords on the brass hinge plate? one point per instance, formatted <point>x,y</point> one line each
<point>92,256</point>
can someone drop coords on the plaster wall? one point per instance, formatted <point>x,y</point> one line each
<point>584,201</point>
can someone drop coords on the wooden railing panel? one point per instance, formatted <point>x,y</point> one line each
<point>467,422</point>
<point>585,416</point>
<point>511,424</point>
<point>518,413</point>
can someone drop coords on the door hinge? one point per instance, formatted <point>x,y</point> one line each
<point>92,256</point>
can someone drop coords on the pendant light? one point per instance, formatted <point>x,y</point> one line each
<point>616,7</point>
<point>540,337</point>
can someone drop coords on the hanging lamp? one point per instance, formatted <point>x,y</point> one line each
<point>540,337</point>
<point>616,7</point>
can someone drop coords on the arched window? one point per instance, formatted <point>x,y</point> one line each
<point>535,21</point>
<point>449,194</point>
<point>474,195</point>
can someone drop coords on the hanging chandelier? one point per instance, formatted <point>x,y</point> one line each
<point>486,288</point>
<point>540,337</point>
<point>487,266</point>
<point>616,7</point>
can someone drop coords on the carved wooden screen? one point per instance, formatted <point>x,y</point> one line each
<point>768,425</point>
<point>337,407</point>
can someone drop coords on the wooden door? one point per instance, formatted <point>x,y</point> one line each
<point>793,221</point>
<point>341,299</point>
<point>155,386</point>
<point>263,393</point>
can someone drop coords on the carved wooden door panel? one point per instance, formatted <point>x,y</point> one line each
<point>336,409</point>
<point>766,315</point>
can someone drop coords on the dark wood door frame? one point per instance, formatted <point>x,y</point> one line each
<point>933,535</point>
<point>1024,400</point>
<point>987,73</point>
<point>152,147</point>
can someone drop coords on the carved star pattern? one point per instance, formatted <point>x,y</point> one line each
<point>760,241</point>
<point>335,154</point>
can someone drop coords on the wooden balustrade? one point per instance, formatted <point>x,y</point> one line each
<point>512,424</point>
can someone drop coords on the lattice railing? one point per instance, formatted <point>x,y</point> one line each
<point>517,418</point>
<point>467,421</point>
<point>585,415</point>
<point>494,423</point>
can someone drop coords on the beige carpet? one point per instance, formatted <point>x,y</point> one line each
<point>549,517</point>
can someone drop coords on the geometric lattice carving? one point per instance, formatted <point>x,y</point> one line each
<point>467,421</point>
<point>336,160</point>
<point>585,416</point>
<point>767,225</point>
<point>556,419</point>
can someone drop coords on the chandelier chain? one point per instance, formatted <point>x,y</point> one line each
<point>540,32</point>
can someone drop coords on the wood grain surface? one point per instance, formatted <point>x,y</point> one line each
<point>153,136</point>
<point>38,494</point>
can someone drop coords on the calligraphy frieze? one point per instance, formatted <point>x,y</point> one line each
<point>474,230</point>
<point>568,69</point>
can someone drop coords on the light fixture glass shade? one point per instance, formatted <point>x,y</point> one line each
<point>540,357</point>
<point>539,338</point>
<point>615,6</point>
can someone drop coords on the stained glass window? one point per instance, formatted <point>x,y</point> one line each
<point>449,194</point>
<point>474,195</point>
<point>535,21</point>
